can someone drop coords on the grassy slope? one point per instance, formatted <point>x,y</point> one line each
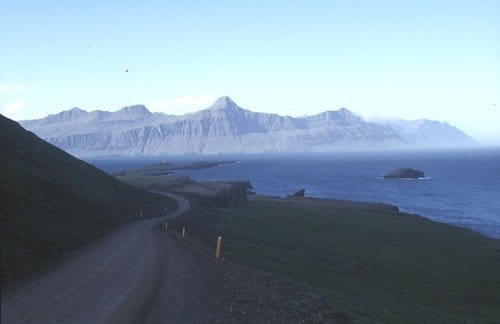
<point>378,266</point>
<point>52,202</point>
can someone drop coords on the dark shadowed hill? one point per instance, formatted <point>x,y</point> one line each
<point>52,202</point>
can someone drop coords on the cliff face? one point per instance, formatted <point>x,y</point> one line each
<point>222,128</point>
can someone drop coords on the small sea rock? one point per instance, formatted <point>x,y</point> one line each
<point>299,193</point>
<point>404,173</point>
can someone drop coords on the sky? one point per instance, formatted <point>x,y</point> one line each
<point>438,60</point>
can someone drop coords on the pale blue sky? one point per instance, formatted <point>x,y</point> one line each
<point>410,59</point>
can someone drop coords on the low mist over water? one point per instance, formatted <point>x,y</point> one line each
<point>460,188</point>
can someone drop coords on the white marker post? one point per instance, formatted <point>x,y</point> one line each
<point>166,226</point>
<point>183,232</point>
<point>217,249</point>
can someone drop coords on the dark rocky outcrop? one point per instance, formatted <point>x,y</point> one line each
<point>222,193</point>
<point>242,183</point>
<point>299,193</point>
<point>404,173</point>
<point>228,194</point>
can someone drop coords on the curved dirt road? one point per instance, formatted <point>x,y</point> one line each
<point>183,204</point>
<point>141,274</point>
<point>96,282</point>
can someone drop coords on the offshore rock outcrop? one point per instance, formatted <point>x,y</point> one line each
<point>405,173</point>
<point>299,193</point>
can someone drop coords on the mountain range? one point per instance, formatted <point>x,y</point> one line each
<point>227,128</point>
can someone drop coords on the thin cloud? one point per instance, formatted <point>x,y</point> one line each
<point>13,110</point>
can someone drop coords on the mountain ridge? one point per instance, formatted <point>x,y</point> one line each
<point>225,127</point>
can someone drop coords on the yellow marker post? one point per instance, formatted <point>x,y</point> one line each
<point>183,232</point>
<point>217,250</point>
<point>166,226</point>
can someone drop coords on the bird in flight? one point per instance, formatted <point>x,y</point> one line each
<point>126,70</point>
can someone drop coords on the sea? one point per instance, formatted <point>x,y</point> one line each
<point>460,187</point>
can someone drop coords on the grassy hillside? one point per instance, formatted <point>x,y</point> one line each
<point>52,202</point>
<point>375,264</point>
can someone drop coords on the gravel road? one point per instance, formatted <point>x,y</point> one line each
<point>141,274</point>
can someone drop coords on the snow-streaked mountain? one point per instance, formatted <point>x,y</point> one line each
<point>224,127</point>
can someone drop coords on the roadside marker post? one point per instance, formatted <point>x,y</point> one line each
<point>217,249</point>
<point>166,226</point>
<point>183,232</point>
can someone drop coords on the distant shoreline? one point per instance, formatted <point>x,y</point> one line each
<point>408,195</point>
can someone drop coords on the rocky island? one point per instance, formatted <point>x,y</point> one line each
<point>299,193</point>
<point>404,173</point>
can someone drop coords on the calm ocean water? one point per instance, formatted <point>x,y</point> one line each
<point>461,188</point>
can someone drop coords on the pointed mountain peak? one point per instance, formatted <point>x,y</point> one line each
<point>345,111</point>
<point>135,109</point>
<point>342,117</point>
<point>223,103</point>
<point>67,115</point>
<point>76,109</point>
<point>342,113</point>
<point>135,112</point>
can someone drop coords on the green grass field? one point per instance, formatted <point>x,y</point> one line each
<point>375,265</point>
